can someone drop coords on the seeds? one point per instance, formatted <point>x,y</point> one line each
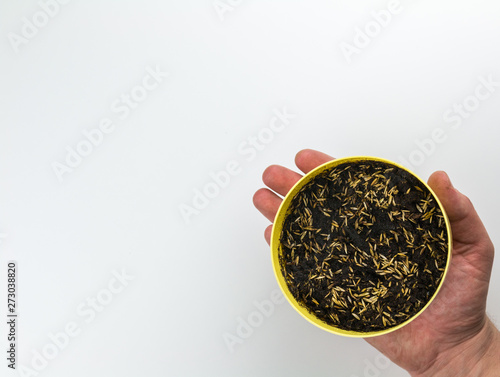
<point>364,246</point>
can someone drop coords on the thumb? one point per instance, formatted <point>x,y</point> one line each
<point>466,227</point>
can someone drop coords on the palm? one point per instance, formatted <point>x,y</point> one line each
<point>455,315</point>
<point>458,312</point>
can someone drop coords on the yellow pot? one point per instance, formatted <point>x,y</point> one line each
<point>276,247</point>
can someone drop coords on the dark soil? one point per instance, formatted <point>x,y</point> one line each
<point>364,246</point>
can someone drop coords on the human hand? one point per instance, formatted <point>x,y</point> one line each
<point>453,336</point>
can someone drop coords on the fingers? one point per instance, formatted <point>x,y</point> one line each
<point>267,202</point>
<point>308,159</point>
<point>267,234</point>
<point>280,179</point>
<point>466,226</point>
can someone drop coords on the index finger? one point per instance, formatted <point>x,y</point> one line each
<point>309,159</point>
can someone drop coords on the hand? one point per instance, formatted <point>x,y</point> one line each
<point>453,336</point>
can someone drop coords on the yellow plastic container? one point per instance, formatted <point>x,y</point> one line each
<point>276,247</point>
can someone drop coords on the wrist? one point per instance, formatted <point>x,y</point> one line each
<point>478,356</point>
<point>489,365</point>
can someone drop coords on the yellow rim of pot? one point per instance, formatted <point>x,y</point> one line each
<point>276,247</point>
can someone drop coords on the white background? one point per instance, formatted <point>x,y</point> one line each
<point>119,208</point>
